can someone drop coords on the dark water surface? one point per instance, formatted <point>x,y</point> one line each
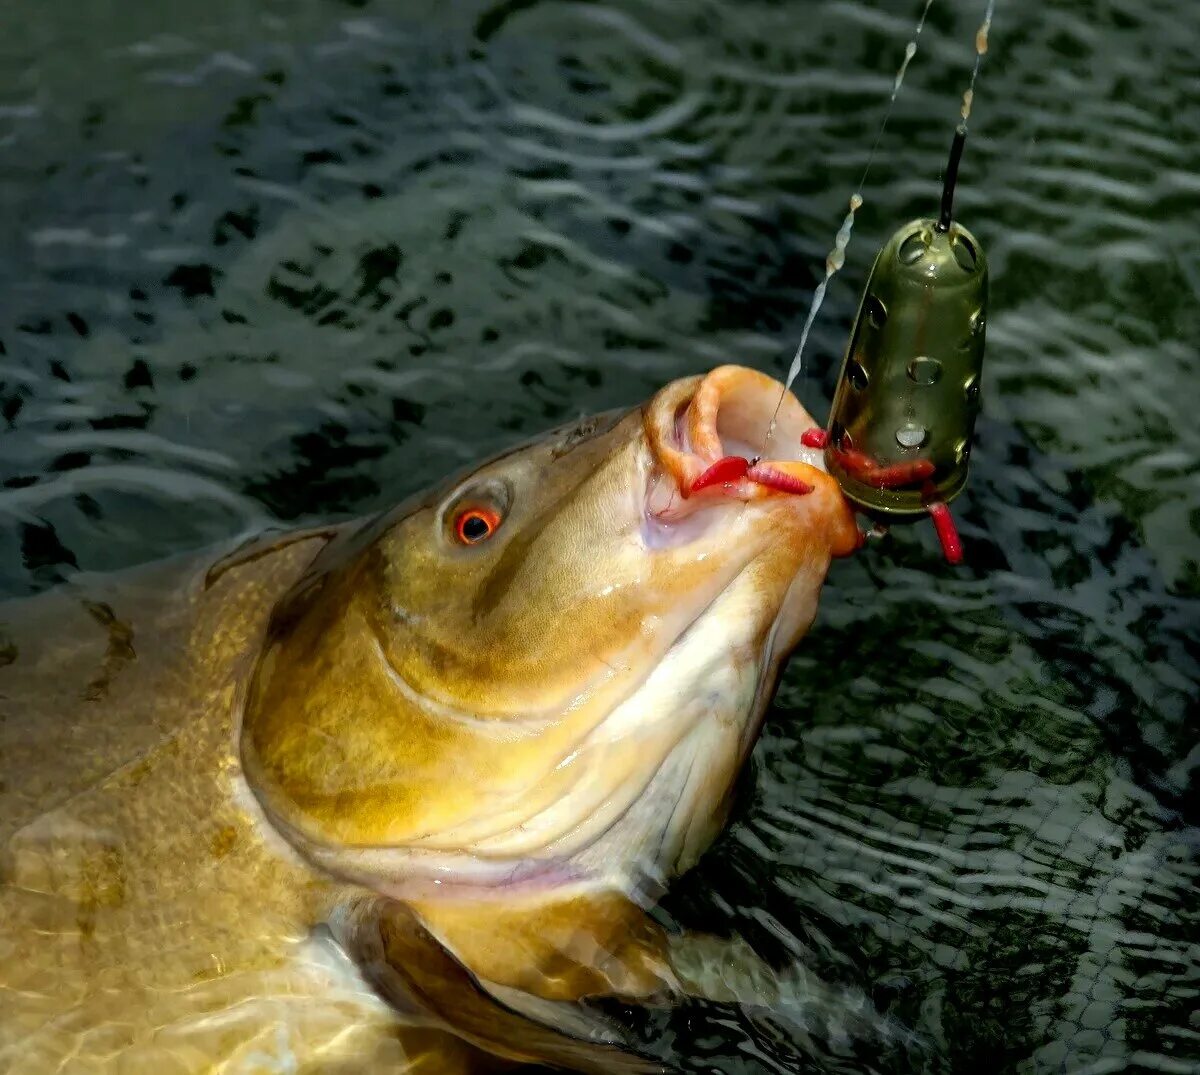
<point>269,262</point>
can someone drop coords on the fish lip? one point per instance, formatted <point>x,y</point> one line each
<point>697,422</point>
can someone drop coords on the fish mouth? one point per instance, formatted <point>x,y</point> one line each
<point>737,435</point>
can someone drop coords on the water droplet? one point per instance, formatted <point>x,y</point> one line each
<point>856,375</point>
<point>960,451</point>
<point>971,388</point>
<point>924,370</point>
<point>876,312</point>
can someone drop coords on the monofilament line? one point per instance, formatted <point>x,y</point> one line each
<point>836,257</point>
<point>981,47</point>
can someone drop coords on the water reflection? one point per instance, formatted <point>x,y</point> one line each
<point>288,265</point>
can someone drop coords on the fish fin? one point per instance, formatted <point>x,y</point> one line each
<point>729,971</point>
<point>263,545</point>
<point>420,978</point>
<point>562,947</point>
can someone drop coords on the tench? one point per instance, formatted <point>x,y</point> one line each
<point>396,795</point>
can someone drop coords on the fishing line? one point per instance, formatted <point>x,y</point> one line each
<point>836,257</point>
<point>898,445</point>
<point>981,47</point>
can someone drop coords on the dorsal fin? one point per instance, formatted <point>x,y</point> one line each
<point>261,545</point>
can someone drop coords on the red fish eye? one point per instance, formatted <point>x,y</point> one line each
<point>475,525</point>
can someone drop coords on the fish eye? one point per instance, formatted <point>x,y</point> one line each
<point>472,514</point>
<point>476,524</point>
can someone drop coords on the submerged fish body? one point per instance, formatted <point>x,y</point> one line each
<point>393,792</point>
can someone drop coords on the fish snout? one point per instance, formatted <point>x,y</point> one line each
<point>736,434</point>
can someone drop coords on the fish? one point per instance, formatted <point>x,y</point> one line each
<point>399,793</point>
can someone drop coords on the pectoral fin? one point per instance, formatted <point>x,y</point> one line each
<point>416,974</point>
<point>729,971</point>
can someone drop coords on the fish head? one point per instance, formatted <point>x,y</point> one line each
<point>550,668</point>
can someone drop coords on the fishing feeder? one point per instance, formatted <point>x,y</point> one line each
<point>907,398</point>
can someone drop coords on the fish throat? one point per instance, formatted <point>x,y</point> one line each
<point>624,796</point>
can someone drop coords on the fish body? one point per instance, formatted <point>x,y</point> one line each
<point>398,792</point>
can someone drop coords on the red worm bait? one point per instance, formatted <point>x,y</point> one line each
<point>898,474</point>
<point>733,468</point>
<point>947,532</point>
<point>853,460</point>
<point>814,438</point>
<point>867,471</point>
<point>723,472</point>
<point>778,479</point>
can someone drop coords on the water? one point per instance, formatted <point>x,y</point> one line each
<point>288,262</point>
<point>836,257</point>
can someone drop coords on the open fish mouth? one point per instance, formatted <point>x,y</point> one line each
<point>734,433</point>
